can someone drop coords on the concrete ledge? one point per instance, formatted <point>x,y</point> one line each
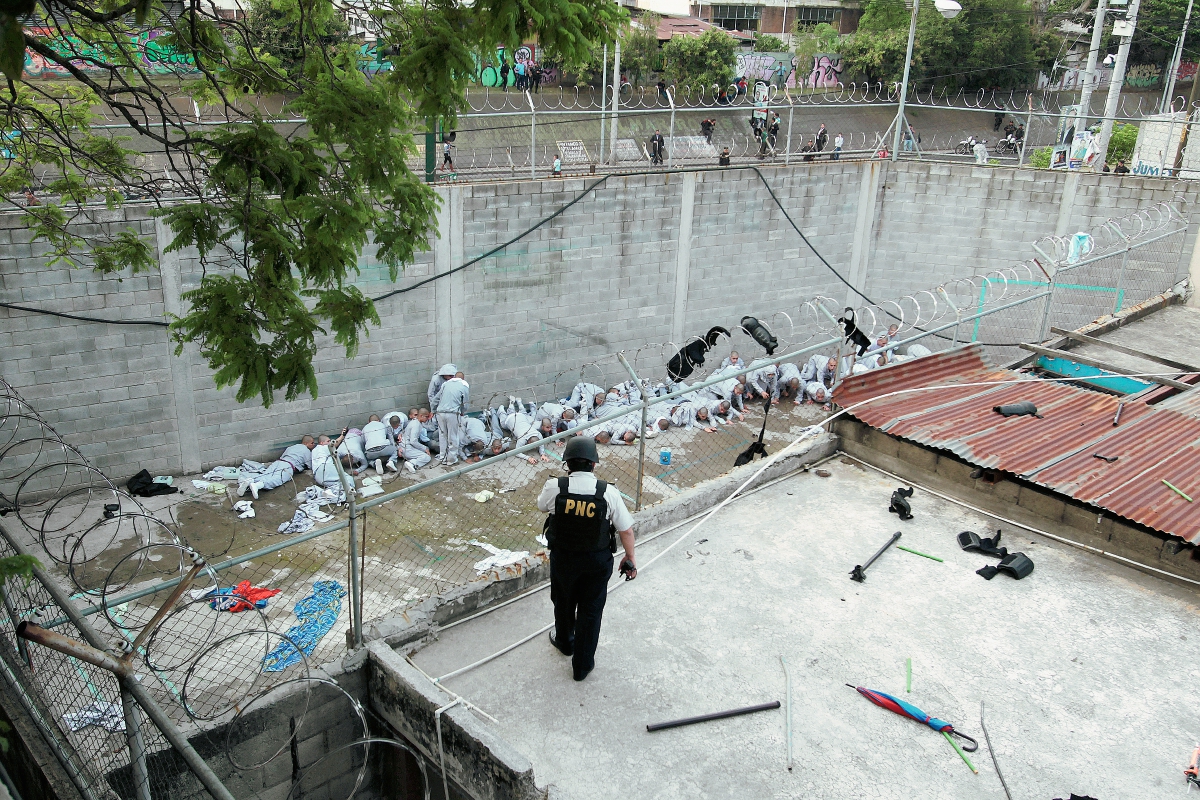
<point>1023,502</point>
<point>423,619</point>
<point>476,759</point>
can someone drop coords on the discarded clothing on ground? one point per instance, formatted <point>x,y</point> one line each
<point>244,508</point>
<point>1017,409</point>
<point>498,557</point>
<point>251,468</point>
<point>143,485</point>
<point>1017,565</point>
<point>223,474</point>
<point>317,614</point>
<point>312,510</point>
<point>105,715</point>
<point>242,597</point>
<point>299,523</point>
<point>322,496</point>
<point>900,504</point>
<point>756,448</point>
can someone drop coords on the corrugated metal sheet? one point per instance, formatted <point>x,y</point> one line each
<point>1152,443</point>
<point>1185,402</point>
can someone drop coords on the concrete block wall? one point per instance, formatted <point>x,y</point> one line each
<point>638,261</point>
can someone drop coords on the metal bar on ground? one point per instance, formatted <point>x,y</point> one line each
<point>859,573</point>
<point>1129,351</point>
<point>735,712</point>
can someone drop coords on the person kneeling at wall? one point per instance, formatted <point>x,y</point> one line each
<point>586,516</point>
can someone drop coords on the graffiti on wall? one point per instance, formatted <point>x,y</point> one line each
<point>1187,71</point>
<point>488,74</point>
<point>826,72</point>
<point>1139,76</point>
<point>156,57</point>
<point>1143,76</point>
<point>779,69</point>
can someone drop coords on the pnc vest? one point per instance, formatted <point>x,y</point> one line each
<point>580,521</point>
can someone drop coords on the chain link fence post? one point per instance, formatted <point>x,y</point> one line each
<point>352,568</point>
<point>642,438</point>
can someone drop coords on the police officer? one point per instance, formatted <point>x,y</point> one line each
<point>585,515</point>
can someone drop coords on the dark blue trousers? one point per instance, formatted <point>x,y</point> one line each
<point>578,589</point>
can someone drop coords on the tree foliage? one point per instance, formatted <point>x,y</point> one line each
<point>767,43</point>
<point>991,43</point>
<point>702,60</point>
<point>810,40</point>
<point>1121,142</point>
<point>278,214</point>
<point>640,56</point>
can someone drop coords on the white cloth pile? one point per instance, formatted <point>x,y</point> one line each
<point>298,524</point>
<point>312,509</point>
<point>498,557</point>
<point>321,496</point>
<point>106,715</point>
<point>223,474</point>
<point>244,508</point>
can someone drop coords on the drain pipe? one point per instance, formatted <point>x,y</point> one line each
<point>641,438</point>
<point>437,722</point>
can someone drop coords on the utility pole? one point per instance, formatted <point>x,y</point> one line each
<point>1114,88</point>
<point>616,84</point>
<point>603,100</point>
<point>1167,99</point>
<point>1187,124</point>
<point>1089,76</point>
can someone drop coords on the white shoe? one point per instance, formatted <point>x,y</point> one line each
<point>254,487</point>
<point>408,466</point>
<point>379,466</point>
<point>243,485</point>
<point>392,465</point>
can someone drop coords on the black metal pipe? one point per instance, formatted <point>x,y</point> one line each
<point>859,573</point>
<point>736,712</point>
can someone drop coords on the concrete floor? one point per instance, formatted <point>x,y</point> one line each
<point>1080,663</point>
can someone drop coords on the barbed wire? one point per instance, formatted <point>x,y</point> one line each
<point>213,667</point>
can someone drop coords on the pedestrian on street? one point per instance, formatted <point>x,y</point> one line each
<point>558,165</point>
<point>657,145</point>
<point>723,160</point>
<point>822,138</point>
<point>838,141</point>
<point>504,74</point>
<point>586,517</point>
<point>980,150</point>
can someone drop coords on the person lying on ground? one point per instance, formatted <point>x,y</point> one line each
<point>296,458</point>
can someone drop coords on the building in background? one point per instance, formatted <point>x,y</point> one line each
<point>779,17</point>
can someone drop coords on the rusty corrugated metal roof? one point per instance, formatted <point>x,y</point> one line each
<point>1152,443</point>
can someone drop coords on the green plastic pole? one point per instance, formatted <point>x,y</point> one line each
<point>1174,489</point>
<point>919,553</point>
<point>908,676</point>
<point>958,750</point>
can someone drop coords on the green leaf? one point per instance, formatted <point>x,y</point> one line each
<point>12,47</point>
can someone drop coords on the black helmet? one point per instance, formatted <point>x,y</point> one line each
<point>581,447</point>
